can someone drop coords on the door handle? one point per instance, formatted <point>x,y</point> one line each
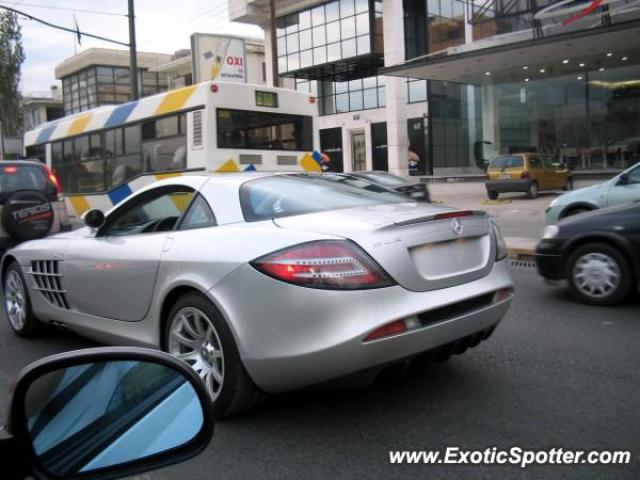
<point>168,243</point>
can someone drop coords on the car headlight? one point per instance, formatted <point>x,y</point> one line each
<point>550,231</point>
<point>501,247</point>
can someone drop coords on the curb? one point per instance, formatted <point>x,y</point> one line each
<point>521,248</point>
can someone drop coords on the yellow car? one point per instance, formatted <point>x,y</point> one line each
<point>526,172</point>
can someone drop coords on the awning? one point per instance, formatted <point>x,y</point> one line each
<point>534,59</point>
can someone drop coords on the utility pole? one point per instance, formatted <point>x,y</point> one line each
<point>133,56</point>
<point>274,44</point>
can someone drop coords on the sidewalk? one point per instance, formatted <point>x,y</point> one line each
<point>521,247</point>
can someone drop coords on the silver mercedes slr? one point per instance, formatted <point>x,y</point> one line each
<point>268,282</point>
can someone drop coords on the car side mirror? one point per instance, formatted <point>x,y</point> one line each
<point>623,179</point>
<point>109,413</point>
<point>93,218</point>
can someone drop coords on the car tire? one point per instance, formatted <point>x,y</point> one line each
<point>493,195</point>
<point>568,186</point>
<point>532,192</point>
<point>212,352</point>
<point>599,274</point>
<point>17,304</point>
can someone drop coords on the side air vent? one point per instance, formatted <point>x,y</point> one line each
<point>47,278</point>
<point>197,128</point>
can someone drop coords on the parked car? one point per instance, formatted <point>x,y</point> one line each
<point>31,202</point>
<point>529,173</point>
<point>104,413</point>
<point>621,189</point>
<point>415,190</point>
<point>268,282</point>
<point>598,253</point>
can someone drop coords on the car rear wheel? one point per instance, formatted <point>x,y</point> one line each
<point>197,333</point>
<point>533,190</point>
<point>599,274</point>
<point>17,305</point>
<point>493,195</point>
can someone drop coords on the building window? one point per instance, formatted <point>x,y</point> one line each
<point>106,85</point>
<point>351,96</point>
<point>433,25</point>
<point>416,90</point>
<point>328,33</point>
<point>504,17</point>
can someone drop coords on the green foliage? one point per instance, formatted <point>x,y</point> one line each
<point>11,58</point>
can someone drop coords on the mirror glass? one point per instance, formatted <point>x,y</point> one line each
<point>100,415</point>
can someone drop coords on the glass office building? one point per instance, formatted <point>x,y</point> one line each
<point>480,78</point>
<point>106,85</point>
<point>537,76</point>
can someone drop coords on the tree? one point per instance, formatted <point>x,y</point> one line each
<point>11,58</point>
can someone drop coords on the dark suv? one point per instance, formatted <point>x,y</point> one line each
<point>31,202</point>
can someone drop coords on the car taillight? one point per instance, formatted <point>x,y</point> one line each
<point>10,169</point>
<point>524,175</point>
<point>327,264</point>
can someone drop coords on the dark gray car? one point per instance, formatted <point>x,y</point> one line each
<point>416,190</point>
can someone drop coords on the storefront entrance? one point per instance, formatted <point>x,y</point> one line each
<point>358,151</point>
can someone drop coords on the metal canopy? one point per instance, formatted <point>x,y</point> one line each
<point>602,47</point>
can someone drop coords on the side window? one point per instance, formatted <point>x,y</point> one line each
<point>159,213</point>
<point>534,162</point>
<point>199,215</point>
<point>634,175</point>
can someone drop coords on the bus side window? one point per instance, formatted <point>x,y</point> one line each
<point>164,144</point>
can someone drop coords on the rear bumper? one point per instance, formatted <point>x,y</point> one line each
<point>504,186</point>
<point>303,336</point>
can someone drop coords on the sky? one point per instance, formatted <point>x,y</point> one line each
<point>161,26</point>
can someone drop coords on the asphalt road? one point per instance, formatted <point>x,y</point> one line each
<point>555,374</point>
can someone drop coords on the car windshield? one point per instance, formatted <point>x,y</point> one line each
<point>286,195</point>
<point>507,162</point>
<point>384,178</point>
<point>14,177</point>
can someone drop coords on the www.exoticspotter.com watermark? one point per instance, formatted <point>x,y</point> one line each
<point>513,456</point>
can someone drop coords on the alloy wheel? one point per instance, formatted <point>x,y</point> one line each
<point>194,339</point>
<point>596,274</point>
<point>15,300</point>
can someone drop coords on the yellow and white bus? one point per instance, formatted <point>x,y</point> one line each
<point>102,155</point>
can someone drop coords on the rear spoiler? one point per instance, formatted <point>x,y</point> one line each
<point>442,216</point>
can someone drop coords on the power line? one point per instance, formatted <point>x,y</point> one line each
<point>76,10</point>
<point>59,27</point>
<point>190,26</point>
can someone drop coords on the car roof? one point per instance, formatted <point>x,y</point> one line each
<point>22,162</point>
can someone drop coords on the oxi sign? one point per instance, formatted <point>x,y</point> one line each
<point>217,57</point>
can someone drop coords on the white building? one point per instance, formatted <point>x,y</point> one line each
<point>41,107</point>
